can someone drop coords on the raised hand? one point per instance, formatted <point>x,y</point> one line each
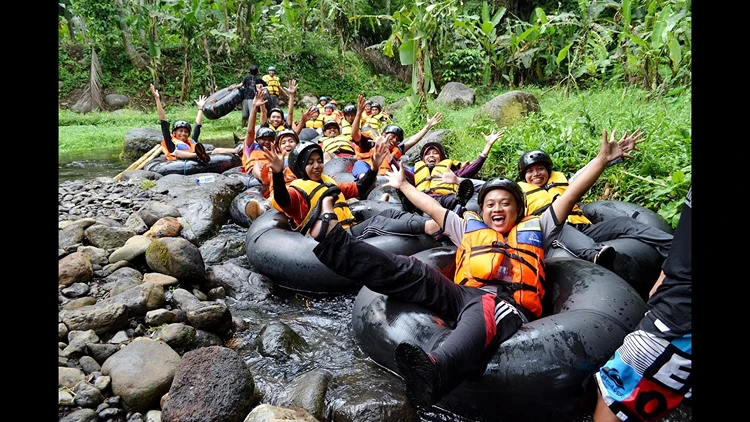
<point>630,142</point>
<point>201,101</point>
<point>361,102</point>
<point>275,159</point>
<point>490,139</point>
<point>395,177</point>
<point>610,149</point>
<point>155,92</point>
<point>260,98</point>
<point>381,151</point>
<point>292,86</point>
<point>432,121</point>
<point>450,177</point>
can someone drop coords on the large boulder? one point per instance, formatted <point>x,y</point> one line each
<point>116,101</point>
<point>508,108</point>
<point>456,94</point>
<point>139,141</point>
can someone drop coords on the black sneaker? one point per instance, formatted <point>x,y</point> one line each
<point>606,257</point>
<point>406,203</point>
<point>420,374</point>
<point>203,156</point>
<point>465,192</point>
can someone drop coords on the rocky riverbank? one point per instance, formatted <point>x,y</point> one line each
<point>161,320</point>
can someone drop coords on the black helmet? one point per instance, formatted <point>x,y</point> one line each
<point>329,105</point>
<point>299,156</point>
<point>265,132</point>
<point>506,184</point>
<point>395,130</point>
<point>286,132</point>
<point>323,99</point>
<point>350,109</point>
<point>331,123</point>
<point>533,157</point>
<point>181,123</point>
<point>368,102</point>
<point>276,109</point>
<point>377,105</point>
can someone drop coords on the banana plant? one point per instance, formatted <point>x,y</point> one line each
<point>482,31</point>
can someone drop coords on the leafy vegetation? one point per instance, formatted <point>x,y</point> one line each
<point>593,65</point>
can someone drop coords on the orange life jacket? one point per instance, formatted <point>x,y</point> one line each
<point>249,157</point>
<point>170,156</point>
<point>514,263</point>
<point>385,166</point>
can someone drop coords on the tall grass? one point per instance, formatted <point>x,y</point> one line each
<point>568,128</point>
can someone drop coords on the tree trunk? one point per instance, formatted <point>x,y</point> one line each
<point>135,57</point>
<point>211,79</point>
<point>186,75</point>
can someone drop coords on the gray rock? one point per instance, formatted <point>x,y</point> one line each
<point>142,372</point>
<point>508,108</point>
<point>456,94</point>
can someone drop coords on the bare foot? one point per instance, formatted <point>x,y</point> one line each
<point>326,206</point>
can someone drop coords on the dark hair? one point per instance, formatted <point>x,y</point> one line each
<point>254,69</point>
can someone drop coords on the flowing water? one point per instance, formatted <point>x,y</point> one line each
<point>324,322</point>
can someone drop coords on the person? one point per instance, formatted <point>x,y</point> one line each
<point>177,144</point>
<point>285,142</point>
<point>330,115</point>
<point>334,143</point>
<point>650,374</point>
<point>313,118</point>
<point>275,117</point>
<point>249,84</point>
<point>336,110</point>
<point>446,180</point>
<point>582,238</point>
<point>273,87</point>
<point>254,161</point>
<point>377,120</point>
<point>322,101</point>
<point>366,113</point>
<point>394,136</point>
<point>301,199</point>
<point>499,282</point>
<point>347,122</point>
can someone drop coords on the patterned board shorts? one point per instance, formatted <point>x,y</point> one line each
<point>650,374</point>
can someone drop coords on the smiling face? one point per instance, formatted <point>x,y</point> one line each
<point>265,142</point>
<point>368,108</point>
<point>287,144</point>
<point>500,210</point>
<point>276,118</point>
<point>391,139</point>
<point>431,157</point>
<point>181,133</point>
<point>536,174</point>
<point>314,166</point>
<point>331,131</point>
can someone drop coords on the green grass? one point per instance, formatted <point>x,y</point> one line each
<point>568,128</point>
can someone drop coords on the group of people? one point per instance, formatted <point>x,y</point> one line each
<point>499,280</point>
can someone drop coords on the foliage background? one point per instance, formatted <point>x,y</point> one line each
<point>592,64</point>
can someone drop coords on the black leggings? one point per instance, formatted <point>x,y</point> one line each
<point>469,346</point>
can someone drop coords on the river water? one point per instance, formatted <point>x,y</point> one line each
<point>324,322</point>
